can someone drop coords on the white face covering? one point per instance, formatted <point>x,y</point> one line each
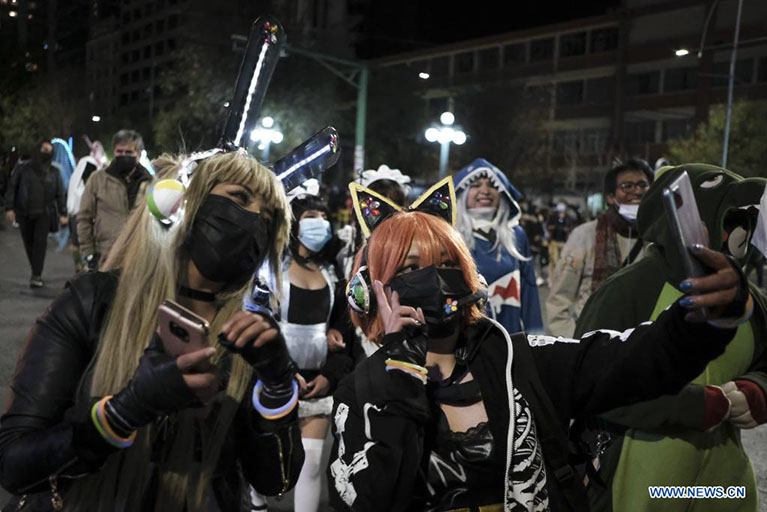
<point>482,216</point>
<point>628,211</point>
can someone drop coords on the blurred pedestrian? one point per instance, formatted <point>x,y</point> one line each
<point>597,249</point>
<point>534,225</point>
<point>559,225</point>
<point>87,165</point>
<point>488,220</point>
<point>5,176</point>
<point>64,161</point>
<point>109,196</point>
<point>36,200</point>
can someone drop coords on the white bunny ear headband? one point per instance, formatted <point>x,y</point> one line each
<point>165,199</point>
<point>384,172</point>
<point>308,188</point>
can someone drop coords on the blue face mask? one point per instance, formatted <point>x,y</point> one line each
<point>314,233</point>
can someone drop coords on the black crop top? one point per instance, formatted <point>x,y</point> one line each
<point>308,307</point>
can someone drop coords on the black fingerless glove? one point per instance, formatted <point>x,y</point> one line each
<point>271,362</point>
<point>156,389</point>
<point>409,345</point>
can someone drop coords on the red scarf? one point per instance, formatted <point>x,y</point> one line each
<point>607,252</point>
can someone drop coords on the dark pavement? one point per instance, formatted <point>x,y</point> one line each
<point>20,305</point>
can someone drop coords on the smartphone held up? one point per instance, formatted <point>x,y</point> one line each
<point>181,331</point>
<point>687,227</point>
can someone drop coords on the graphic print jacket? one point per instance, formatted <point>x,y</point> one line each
<point>378,460</point>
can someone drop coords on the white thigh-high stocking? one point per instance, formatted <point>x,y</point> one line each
<point>307,493</point>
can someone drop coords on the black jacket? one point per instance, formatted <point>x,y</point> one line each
<point>380,417</point>
<point>39,432</point>
<point>17,196</point>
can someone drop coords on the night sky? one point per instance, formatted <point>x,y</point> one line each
<point>402,25</point>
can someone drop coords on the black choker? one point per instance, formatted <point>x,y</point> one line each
<point>196,294</point>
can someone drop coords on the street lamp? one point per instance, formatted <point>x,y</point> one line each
<point>731,76</point>
<point>445,134</point>
<point>266,136</point>
<point>96,119</point>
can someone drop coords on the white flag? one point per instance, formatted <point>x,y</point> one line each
<point>760,237</point>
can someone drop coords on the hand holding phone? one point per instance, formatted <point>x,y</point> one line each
<point>687,227</point>
<point>181,331</point>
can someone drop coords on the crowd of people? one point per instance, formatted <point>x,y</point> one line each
<point>413,332</point>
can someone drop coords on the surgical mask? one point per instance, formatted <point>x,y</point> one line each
<point>45,157</point>
<point>482,213</point>
<point>227,243</point>
<point>125,164</point>
<point>314,233</point>
<point>561,207</point>
<point>440,292</point>
<point>628,211</point>
<point>482,217</point>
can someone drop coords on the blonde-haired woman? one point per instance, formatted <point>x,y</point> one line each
<point>176,430</point>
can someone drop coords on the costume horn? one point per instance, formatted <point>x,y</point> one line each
<point>261,54</point>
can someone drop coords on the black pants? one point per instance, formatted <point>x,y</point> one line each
<point>34,232</point>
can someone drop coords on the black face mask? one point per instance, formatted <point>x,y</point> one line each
<point>125,164</point>
<point>227,243</point>
<point>440,292</point>
<point>45,157</point>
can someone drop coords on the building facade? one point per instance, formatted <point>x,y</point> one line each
<point>614,85</point>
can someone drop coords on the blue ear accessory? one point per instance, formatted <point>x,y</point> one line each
<point>358,292</point>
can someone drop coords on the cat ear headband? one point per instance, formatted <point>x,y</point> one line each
<point>372,208</point>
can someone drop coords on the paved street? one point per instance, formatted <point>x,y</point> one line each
<point>19,306</point>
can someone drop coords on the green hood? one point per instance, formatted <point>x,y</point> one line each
<point>728,205</point>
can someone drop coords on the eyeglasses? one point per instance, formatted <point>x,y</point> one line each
<point>628,186</point>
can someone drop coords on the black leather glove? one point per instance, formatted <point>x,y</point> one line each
<point>409,345</point>
<point>156,389</point>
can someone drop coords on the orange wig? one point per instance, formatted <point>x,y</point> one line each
<point>390,243</point>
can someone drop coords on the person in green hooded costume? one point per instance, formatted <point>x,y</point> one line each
<point>693,437</point>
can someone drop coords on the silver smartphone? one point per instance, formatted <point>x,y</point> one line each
<point>686,225</point>
<point>181,330</point>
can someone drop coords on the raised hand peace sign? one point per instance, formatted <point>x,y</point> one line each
<point>395,317</point>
